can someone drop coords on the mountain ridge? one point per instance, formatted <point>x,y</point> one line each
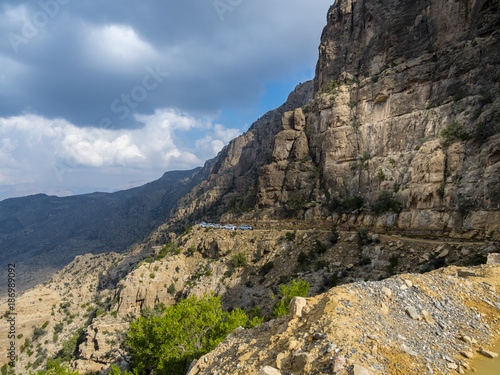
<point>44,233</point>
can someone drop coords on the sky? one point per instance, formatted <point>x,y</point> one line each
<point>101,95</point>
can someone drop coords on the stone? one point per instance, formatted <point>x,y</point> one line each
<point>280,358</point>
<point>268,370</point>
<point>387,291</point>
<point>302,362</point>
<point>299,120</point>
<point>408,283</point>
<point>466,273</point>
<point>296,306</point>
<point>292,344</point>
<point>467,353</point>
<point>287,120</point>
<point>412,313</point>
<point>452,366</point>
<point>384,309</point>
<point>468,340</point>
<point>488,353</point>
<point>428,317</point>
<point>443,254</point>
<point>339,363</point>
<point>493,258</point>
<point>358,370</point>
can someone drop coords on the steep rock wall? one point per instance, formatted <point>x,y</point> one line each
<point>390,78</point>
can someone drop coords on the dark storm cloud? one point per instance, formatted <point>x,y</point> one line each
<point>85,61</point>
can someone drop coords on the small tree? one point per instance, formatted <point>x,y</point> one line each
<point>386,203</point>
<point>295,203</point>
<point>188,330</point>
<point>239,260</point>
<point>453,132</point>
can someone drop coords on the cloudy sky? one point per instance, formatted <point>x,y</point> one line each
<point>107,94</point>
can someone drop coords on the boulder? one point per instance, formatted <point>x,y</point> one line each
<point>296,306</point>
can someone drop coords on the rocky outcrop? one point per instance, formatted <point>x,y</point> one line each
<point>429,324</point>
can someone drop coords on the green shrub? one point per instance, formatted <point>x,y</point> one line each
<point>70,346</point>
<point>54,367</point>
<point>116,371</point>
<point>353,203</point>
<point>320,247</point>
<point>331,86</point>
<point>295,203</point>
<point>453,132</point>
<point>58,328</point>
<point>239,260</point>
<point>477,259</point>
<point>393,263</point>
<point>187,230</point>
<point>380,174</point>
<point>364,261</point>
<point>334,236</point>
<point>188,330</point>
<point>362,237</point>
<point>290,236</point>
<point>255,317</point>
<point>266,268</point>
<point>385,203</point>
<point>171,289</point>
<point>38,332</point>
<point>191,250</point>
<point>286,294</point>
<point>320,264</point>
<point>45,324</point>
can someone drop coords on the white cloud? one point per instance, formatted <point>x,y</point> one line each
<point>32,148</point>
<point>117,47</point>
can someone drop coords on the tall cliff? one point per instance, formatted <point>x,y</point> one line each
<point>403,130</point>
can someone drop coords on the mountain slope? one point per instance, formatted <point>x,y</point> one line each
<point>403,132</point>
<point>44,233</point>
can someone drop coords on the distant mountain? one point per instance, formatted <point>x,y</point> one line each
<point>44,233</point>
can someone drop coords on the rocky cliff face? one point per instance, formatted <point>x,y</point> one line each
<point>232,175</point>
<point>406,104</point>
